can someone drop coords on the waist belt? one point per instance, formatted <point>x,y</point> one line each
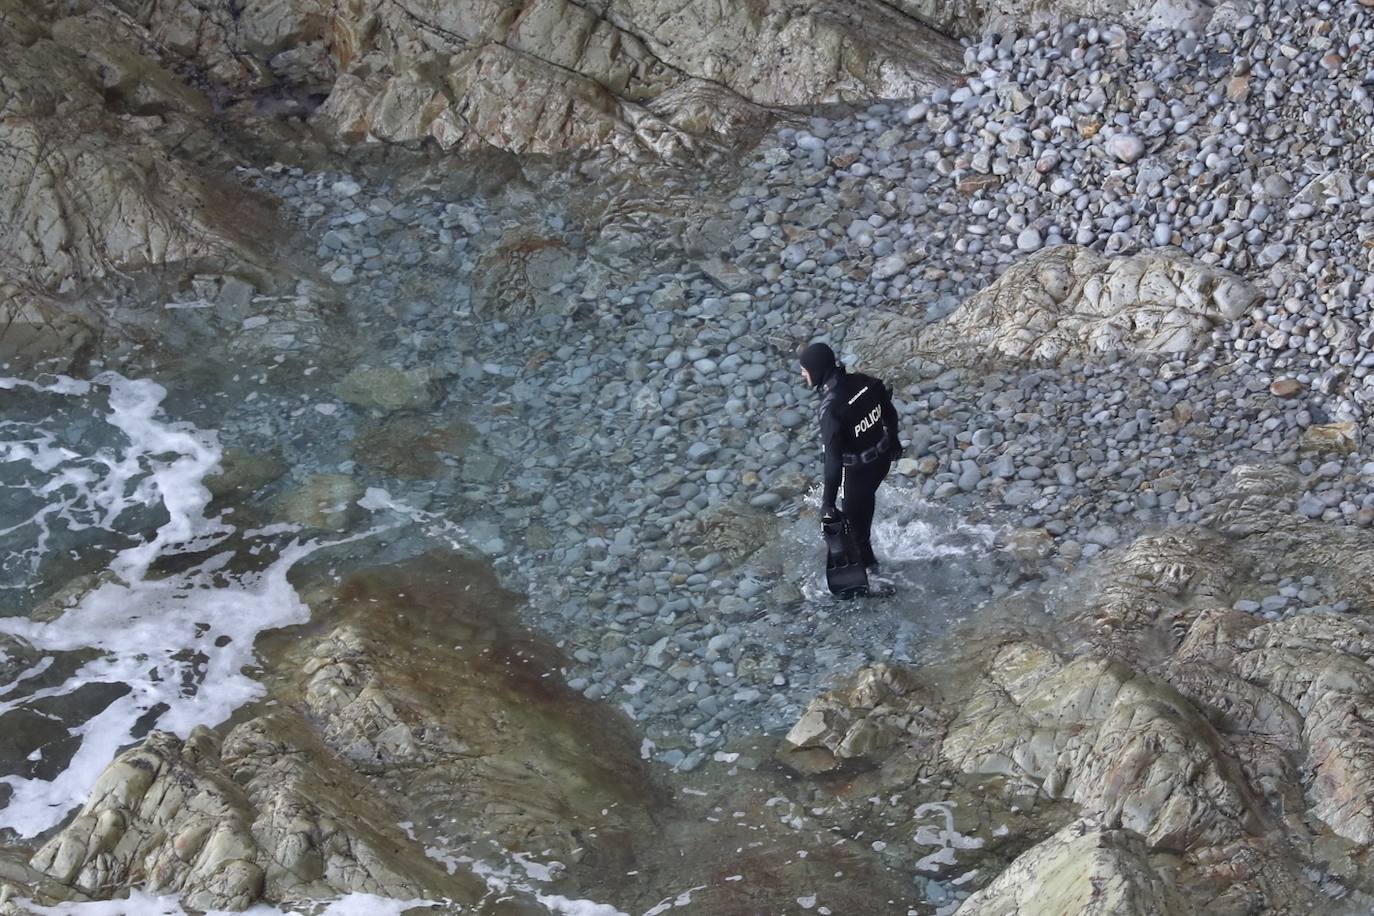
<point>868,455</point>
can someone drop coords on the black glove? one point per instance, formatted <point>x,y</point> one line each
<point>829,514</point>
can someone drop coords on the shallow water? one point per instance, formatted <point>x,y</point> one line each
<point>133,593</point>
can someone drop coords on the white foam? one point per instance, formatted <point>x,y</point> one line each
<point>946,837</point>
<point>144,904</point>
<point>668,903</point>
<point>204,614</point>
<point>566,907</point>
<point>907,528</point>
<point>435,525</point>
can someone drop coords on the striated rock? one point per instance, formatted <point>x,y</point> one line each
<point>1155,577</point>
<point>1166,718</point>
<point>1319,667</point>
<point>419,707</point>
<point>779,54</point>
<point>870,716</point>
<point>1332,437</point>
<point>1085,869</point>
<point>1253,500</point>
<point>638,78</point>
<point>87,189</point>
<point>1123,747</point>
<point>1065,302</point>
<point>263,816</point>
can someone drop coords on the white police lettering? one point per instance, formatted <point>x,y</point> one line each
<point>868,421</point>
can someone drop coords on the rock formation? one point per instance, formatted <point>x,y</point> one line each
<point>1086,870</point>
<point>91,187</point>
<point>1068,302</point>
<point>419,714</point>
<point>1175,725</point>
<point>640,79</point>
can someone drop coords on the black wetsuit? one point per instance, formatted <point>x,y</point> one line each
<point>859,435</point>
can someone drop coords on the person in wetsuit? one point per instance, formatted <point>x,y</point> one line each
<point>859,435</point>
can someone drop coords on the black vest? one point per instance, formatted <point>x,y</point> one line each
<point>855,404</point>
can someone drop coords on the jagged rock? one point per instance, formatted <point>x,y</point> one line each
<point>265,816</point>
<point>85,189</point>
<point>877,711</point>
<point>1156,709</point>
<point>1066,301</point>
<point>779,54</point>
<point>640,78</point>
<point>1154,577</point>
<point>1253,500</point>
<point>1319,667</point>
<point>1332,437</point>
<point>417,708</point>
<point>1123,746</point>
<point>1085,869</point>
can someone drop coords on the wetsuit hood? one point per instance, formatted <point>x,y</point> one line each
<point>819,361</point>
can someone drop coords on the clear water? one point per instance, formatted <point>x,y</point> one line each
<point>131,597</point>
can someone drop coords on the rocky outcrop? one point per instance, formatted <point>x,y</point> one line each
<point>1068,302</point>
<point>89,190</point>
<point>642,79</point>
<point>265,816</point>
<point>416,714</point>
<point>1174,724</point>
<point>1086,870</point>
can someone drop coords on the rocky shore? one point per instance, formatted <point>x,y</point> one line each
<point>1119,279</point>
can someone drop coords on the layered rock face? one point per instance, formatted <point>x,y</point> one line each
<point>91,183</point>
<point>642,79</point>
<point>1068,302</point>
<point>1208,751</point>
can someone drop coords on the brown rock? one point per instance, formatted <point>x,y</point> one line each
<point>1332,437</point>
<point>1286,388</point>
<point>974,183</point>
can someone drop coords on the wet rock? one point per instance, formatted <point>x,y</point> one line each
<point>412,447</point>
<point>387,388</point>
<point>417,706</point>
<point>326,501</point>
<point>243,474</point>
